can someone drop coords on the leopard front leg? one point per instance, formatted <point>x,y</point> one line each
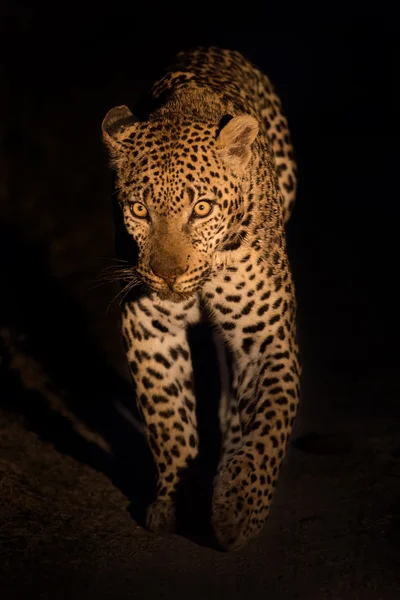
<point>258,322</point>
<point>160,365</point>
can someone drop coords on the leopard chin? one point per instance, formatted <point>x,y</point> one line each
<point>173,295</point>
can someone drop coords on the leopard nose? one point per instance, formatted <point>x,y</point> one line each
<point>169,274</point>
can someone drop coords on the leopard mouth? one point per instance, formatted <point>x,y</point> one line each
<point>167,291</point>
<point>171,291</point>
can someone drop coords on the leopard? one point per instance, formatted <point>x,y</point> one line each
<point>206,181</point>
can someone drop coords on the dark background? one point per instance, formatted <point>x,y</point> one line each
<point>65,493</point>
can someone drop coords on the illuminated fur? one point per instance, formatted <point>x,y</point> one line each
<point>205,185</point>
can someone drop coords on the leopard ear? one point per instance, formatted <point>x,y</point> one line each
<point>235,140</point>
<point>118,123</point>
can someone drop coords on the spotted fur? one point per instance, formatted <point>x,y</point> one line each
<point>215,141</point>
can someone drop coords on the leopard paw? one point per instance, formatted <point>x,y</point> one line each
<point>160,517</point>
<point>240,503</point>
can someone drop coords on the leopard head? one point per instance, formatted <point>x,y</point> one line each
<point>180,187</point>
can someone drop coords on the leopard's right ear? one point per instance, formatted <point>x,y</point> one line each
<point>117,125</point>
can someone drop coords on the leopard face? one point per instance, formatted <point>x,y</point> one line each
<point>180,187</point>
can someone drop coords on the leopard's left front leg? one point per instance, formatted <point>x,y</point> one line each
<point>258,322</point>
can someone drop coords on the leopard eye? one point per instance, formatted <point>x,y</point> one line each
<point>202,208</point>
<point>139,210</point>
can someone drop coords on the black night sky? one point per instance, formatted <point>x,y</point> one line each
<point>72,471</point>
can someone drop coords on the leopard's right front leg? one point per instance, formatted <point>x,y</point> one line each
<point>160,365</point>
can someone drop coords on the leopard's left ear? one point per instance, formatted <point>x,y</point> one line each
<point>117,125</point>
<point>235,140</point>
